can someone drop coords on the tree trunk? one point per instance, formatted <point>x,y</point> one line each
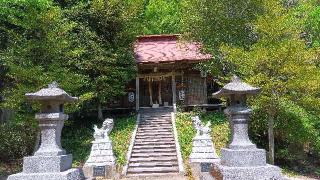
<point>271,139</point>
<point>100,115</point>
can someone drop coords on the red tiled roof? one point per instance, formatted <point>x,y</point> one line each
<point>166,48</point>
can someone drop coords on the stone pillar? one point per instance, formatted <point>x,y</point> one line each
<point>242,160</point>
<point>50,161</point>
<point>137,93</point>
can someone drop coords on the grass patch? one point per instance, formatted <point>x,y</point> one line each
<point>220,133</point>
<point>77,139</point>
<point>121,136</point>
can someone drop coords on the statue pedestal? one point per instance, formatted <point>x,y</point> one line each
<point>203,150</point>
<point>203,153</point>
<point>101,162</point>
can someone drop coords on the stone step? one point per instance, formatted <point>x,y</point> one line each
<point>149,130</point>
<point>151,133</point>
<point>154,150</point>
<point>153,159</point>
<point>154,132</point>
<point>156,125</point>
<point>155,140</point>
<point>153,154</point>
<point>157,135</point>
<point>158,147</point>
<point>156,117</point>
<point>165,136</point>
<point>156,176</point>
<point>154,122</point>
<point>144,130</point>
<point>153,164</point>
<point>155,143</point>
<point>153,169</point>
<point>155,128</point>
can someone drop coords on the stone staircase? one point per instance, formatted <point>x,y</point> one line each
<point>154,150</point>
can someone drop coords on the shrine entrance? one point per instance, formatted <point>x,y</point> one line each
<point>155,91</point>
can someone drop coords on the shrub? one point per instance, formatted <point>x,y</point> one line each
<point>121,136</point>
<point>17,138</point>
<point>77,137</point>
<point>220,130</point>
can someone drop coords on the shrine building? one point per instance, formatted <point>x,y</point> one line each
<point>167,76</point>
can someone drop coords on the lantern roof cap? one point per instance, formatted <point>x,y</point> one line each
<point>52,92</point>
<point>236,86</point>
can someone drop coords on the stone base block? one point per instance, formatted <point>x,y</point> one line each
<point>201,171</point>
<point>267,172</point>
<point>47,164</point>
<point>71,174</point>
<point>243,158</point>
<point>106,171</point>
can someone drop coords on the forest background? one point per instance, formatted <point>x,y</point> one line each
<point>87,47</point>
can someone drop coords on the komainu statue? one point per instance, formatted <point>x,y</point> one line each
<point>202,146</point>
<point>104,131</point>
<point>101,151</point>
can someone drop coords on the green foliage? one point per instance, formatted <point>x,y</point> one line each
<point>217,22</point>
<point>36,47</point>
<point>220,129</point>
<point>17,139</point>
<point>77,141</point>
<point>121,137</point>
<point>261,42</point>
<point>76,138</point>
<point>286,71</point>
<point>313,26</point>
<point>161,17</point>
<point>186,132</point>
<point>83,46</point>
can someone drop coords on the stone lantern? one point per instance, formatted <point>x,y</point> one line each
<point>50,161</point>
<point>242,160</point>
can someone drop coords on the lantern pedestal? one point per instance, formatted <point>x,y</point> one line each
<point>220,172</point>
<point>71,174</point>
<point>50,161</point>
<point>242,160</point>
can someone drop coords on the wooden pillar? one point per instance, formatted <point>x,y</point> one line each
<point>174,93</point>
<point>137,94</point>
<point>159,97</point>
<point>150,92</point>
<point>205,93</point>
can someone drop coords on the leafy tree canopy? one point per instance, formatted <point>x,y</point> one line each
<point>84,45</point>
